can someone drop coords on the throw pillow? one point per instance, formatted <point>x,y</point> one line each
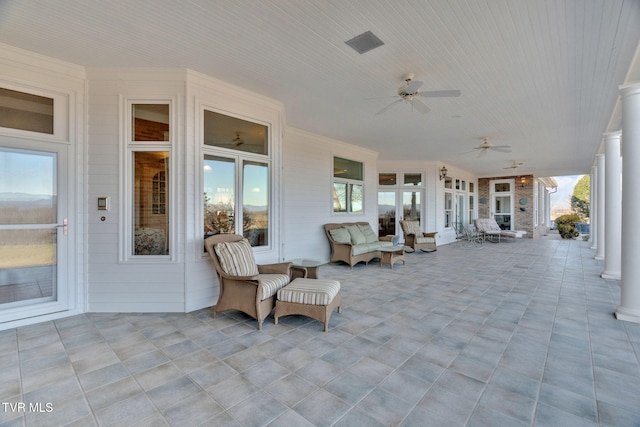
<point>357,238</point>
<point>236,258</point>
<point>369,235</point>
<point>340,235</point>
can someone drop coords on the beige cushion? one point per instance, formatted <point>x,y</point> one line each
<point>310,291</point>
<point>487,225</point>
<point>412,227</point>
<point>272,283</point>
<point>425,240</point>
<point>369,235</point>
<point>357,238</point>
<point>340,235</point>
<point>236,258</point>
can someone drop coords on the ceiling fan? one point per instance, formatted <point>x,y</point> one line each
<point>409,92</point>
<point>514,165</point>
<point>237,141</point>
<point>486,146</point>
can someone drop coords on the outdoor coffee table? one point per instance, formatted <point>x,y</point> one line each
<point>391,255</point>
<point>312,267</point>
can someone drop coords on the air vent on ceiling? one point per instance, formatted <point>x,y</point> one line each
<point>364,42</point>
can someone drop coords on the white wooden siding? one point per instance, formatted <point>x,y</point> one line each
<point>308,174</point>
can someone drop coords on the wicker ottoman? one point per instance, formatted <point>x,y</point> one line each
<point>315,298</point>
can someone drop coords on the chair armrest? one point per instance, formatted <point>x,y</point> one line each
<point>431,234</point>
<point>386,238</point>
<point>240,278</point>
<point>277,268</point>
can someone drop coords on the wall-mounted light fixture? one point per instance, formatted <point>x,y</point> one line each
<point>523,181</point>
<point>443,172</point>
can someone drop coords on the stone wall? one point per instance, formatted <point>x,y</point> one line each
<point>522,192</point>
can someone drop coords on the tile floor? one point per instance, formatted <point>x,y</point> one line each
<point>512,334</point>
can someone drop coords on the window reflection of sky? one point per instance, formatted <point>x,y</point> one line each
<point>28,173</point>
<point>219,183</point>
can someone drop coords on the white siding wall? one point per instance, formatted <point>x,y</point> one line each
<point>139,286</point>
<point>308,202</point>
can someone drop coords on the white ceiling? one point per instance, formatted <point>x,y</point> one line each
<point>539,75</point>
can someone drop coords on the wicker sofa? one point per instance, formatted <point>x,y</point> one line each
<point>353,242</point>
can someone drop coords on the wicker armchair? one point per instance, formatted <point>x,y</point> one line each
<point>416,239</point>
<point>244,285</point>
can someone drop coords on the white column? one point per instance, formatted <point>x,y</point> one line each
<point>600,208</point>
<point>593,211</point>
<point>629,308</point>
<point>613,206</point>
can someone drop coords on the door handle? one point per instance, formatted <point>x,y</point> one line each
<point>65,226</point>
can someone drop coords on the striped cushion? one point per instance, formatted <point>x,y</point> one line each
<point>412,227</point>
<point>271,283</point>
<point>236,258</point>
<point>310,291</point>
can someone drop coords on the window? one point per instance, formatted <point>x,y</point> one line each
<point>448,209</point>
<point>413,179</point>
<point>236,178</point>
<point>25,111</point>
<point>387,179</point>
<point>348,186</point>
<point>149,150</point>
<point>448,202</point>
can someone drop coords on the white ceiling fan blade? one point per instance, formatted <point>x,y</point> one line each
<point>420,106</point>
<point>502,148</point>
<point>483,152</point>
<point>441,93</point>
<point>385,109</point>
<point>413,86</point>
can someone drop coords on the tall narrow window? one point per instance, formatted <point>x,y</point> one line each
<point>219,195</point>
<point>150,153</point>
<point>448,202</point>
<point>236,178</point>
<point>348,186</point>
<point>150,214</point>
<point>255,202</point>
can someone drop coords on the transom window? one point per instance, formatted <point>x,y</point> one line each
<point>26,111</point>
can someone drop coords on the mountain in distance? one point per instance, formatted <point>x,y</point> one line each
<point>25,199</point>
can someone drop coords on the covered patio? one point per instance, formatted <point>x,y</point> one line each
<point>522,334</point>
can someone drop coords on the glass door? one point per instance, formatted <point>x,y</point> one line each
<point>387,213</point>
<point>33,229</point>
<point>411,205</point>
<point>502,203</point>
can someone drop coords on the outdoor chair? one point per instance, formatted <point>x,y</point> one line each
<point>416,239</point>
<point>244,285</point>
<point>459,229</point>
<point>490,230</point>
<point>471,236</point>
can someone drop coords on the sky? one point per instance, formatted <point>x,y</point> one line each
<point>29,173</point>
<point>562,198</point>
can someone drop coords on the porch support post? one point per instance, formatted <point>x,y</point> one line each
<point>600,208</point>
<point>629,308</point>
<point>613,206</point>
<point>593,210</point>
